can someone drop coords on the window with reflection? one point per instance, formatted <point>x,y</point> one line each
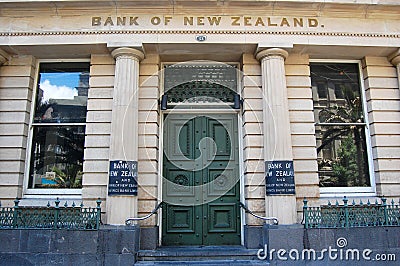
<point>58,128</point>
<point>340,126</point>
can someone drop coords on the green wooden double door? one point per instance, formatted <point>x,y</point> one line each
<point>201,180</point>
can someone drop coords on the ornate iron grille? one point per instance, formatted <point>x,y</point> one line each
<point>200,92</point>
<point>351,215</point>
<point>200,83</point>
<point>51,217</point>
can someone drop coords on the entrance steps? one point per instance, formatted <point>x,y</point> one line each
<point>199,255</point>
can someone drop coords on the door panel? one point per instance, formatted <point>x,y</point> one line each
<point>200,184</point>
<point>181,219</point>
<point>222,218</point>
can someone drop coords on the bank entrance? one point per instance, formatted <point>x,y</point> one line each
<point>201,180</point>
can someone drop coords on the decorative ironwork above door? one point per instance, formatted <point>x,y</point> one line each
<point>200,92</point>
<point>206,84</point>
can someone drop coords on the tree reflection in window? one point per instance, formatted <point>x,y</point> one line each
<point>340,126</point>
<point>58,129</point>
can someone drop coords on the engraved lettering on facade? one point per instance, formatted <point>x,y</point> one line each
<point>246,21</point>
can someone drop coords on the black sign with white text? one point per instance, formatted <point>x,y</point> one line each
<point>122,178</point>
<point>279,178</point>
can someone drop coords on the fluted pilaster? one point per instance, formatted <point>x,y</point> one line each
<point>276,126</point>
<point>124,125</point>
<point>277,140</point>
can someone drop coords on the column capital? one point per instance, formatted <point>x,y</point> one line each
<point>272,52</point>
<point>3,57</point>
<point>128,51</point>
<point>394,58</point>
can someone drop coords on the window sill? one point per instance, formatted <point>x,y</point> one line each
<point>53,193</point>
<point>349,192</point>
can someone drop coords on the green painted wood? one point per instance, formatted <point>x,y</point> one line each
<point>201,180</point>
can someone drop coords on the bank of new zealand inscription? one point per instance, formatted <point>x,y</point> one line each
<point>122,178</point>
<point>279,178</point>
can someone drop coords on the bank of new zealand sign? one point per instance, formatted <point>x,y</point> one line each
<point>122,178</point>
<point>279,178</point>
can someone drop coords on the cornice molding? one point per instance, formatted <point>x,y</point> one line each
<point>342,8</point>
<point>232,32</point>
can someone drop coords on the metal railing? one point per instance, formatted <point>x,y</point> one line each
<point>351,215</point>
<point>273,219</point>
<point>129,221</point>
<point>51,217</point>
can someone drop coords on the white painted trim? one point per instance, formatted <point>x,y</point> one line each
<point>342,190</point>
<point>45,192</point>
<point>242,191</point>
<point>160,175</point>
<point>66,193</point>
<point>340,195</point>
<point>242,188</point>
<point>43,200</point>
<point>354,191</point>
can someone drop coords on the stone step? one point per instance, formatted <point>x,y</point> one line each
<point>227,255</point>
<point>204,262</point>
